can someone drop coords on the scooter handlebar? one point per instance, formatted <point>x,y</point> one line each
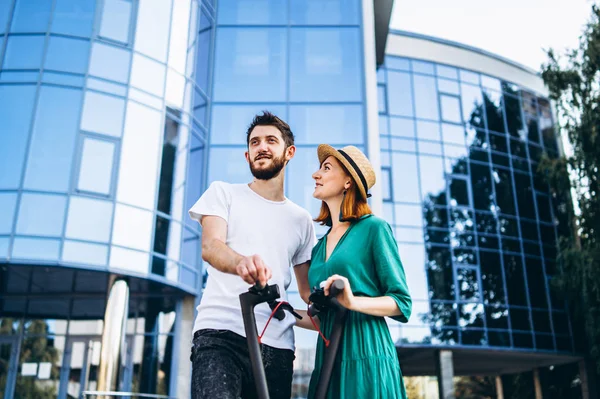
<point>336,288</point>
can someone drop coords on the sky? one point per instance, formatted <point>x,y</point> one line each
<point>519,30</point>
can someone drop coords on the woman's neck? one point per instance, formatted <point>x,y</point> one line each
<point>334,205</point>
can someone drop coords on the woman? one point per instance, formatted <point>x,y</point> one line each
<point>359,249</point>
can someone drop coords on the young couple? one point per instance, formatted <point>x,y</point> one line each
<point>253,233</point>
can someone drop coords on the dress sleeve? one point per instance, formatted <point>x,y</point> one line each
<point>390,271</point>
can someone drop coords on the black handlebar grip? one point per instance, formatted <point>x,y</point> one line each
<point>336,287</point>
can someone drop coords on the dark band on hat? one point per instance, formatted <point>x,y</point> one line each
<point>357,170</point>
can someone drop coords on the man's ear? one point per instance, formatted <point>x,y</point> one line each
<point>247,156</point>
<point>290,152</point>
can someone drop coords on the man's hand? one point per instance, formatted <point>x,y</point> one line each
<point>253,270</point>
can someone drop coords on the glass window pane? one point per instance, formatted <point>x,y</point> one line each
<point>482,185</point>
<point>448,86</point>
<point>504,191</point>
<point>4,242</point>
<point>110,62</point>
<point>250,64</point>
<point>343,123</point>
<point>31,16</point>
<point>139,156</point>
<point>103,114</point>
<point>17,58</point>
<point>63,79</point>
<point>325,65</point>
<point>41,214</point>
<point>472,103</point>
<point>132,227</point>
<point>324,12</point>
<point>413,259</point>
<point>401,144</point>
<point>493,111</point>
<point>102,85</point>
<point>491,83</point>
<point>115,20</point>
<point>16,108</point>
<point>69,55</point>
<point>229,164</point>
<point>386,193</point>
<point>408,215</point>
<point>447,72</point>
<point>252,12</point>
<point>130,260</point>
<point>426,147</point>
<point>86,253</point>
<point>89,219</point>
<point>422,67</point>
<point>381,99</point>
<point>383,125</point>
<point>392,62</point>
<point>402,127</point>
<point>5,8</point>
<point>408,235</point>
<point>426,102</point>
<point>53,143</point>
<point>183,25</point>
<point>400,99</point>
<point>152,28</point>
<point>450,109</point>
<point>73,17</point>
<point>35,248</point>
<point>148,75</point>
<point>8,202</point>
<point>514,118</point>
<point>515,280</point>
<point>195,176</point>
<point>469,77</point>
<point>230,123</point>
<point>96,166</point>
<point>203,46</point>
<point>428,130</point>
<point>433,182</point>
<point>405,178</point>
<point>454,134</point>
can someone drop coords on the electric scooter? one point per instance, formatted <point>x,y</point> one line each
<point>248,300</point>
<point>321,304</point>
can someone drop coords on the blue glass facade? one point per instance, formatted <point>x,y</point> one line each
<point>104,108</point>
<point>115,115</point>
<point>475,225</point>
<point>104,118</point>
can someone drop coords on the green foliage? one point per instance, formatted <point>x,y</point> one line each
<point>574,84</point>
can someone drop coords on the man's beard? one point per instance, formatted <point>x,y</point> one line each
<point>277,164</point>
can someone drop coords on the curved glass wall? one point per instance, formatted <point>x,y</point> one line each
<point>475,225</point>
<point>51,332</point>
<point>104,109</point>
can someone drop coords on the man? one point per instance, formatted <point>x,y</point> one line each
<point>251,234</point>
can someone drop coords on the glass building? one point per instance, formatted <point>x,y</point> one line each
<point>115,115</point>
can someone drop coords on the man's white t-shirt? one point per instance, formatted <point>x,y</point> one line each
<point>281,233</point>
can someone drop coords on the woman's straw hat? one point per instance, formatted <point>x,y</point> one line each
<point>355,162</point>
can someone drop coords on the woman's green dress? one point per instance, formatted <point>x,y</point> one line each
<point>367,364</point>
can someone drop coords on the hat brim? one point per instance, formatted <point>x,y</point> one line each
<point>324,151</point>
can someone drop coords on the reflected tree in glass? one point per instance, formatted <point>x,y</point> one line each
<point>38,348</point>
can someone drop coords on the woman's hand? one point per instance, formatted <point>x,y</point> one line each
<point>346,298</point>
<point>379,306</point>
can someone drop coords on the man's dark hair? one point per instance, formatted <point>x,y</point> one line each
<point>268,119</point>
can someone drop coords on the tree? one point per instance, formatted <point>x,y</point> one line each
<point>573,81</point>
<point>475,387</point>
